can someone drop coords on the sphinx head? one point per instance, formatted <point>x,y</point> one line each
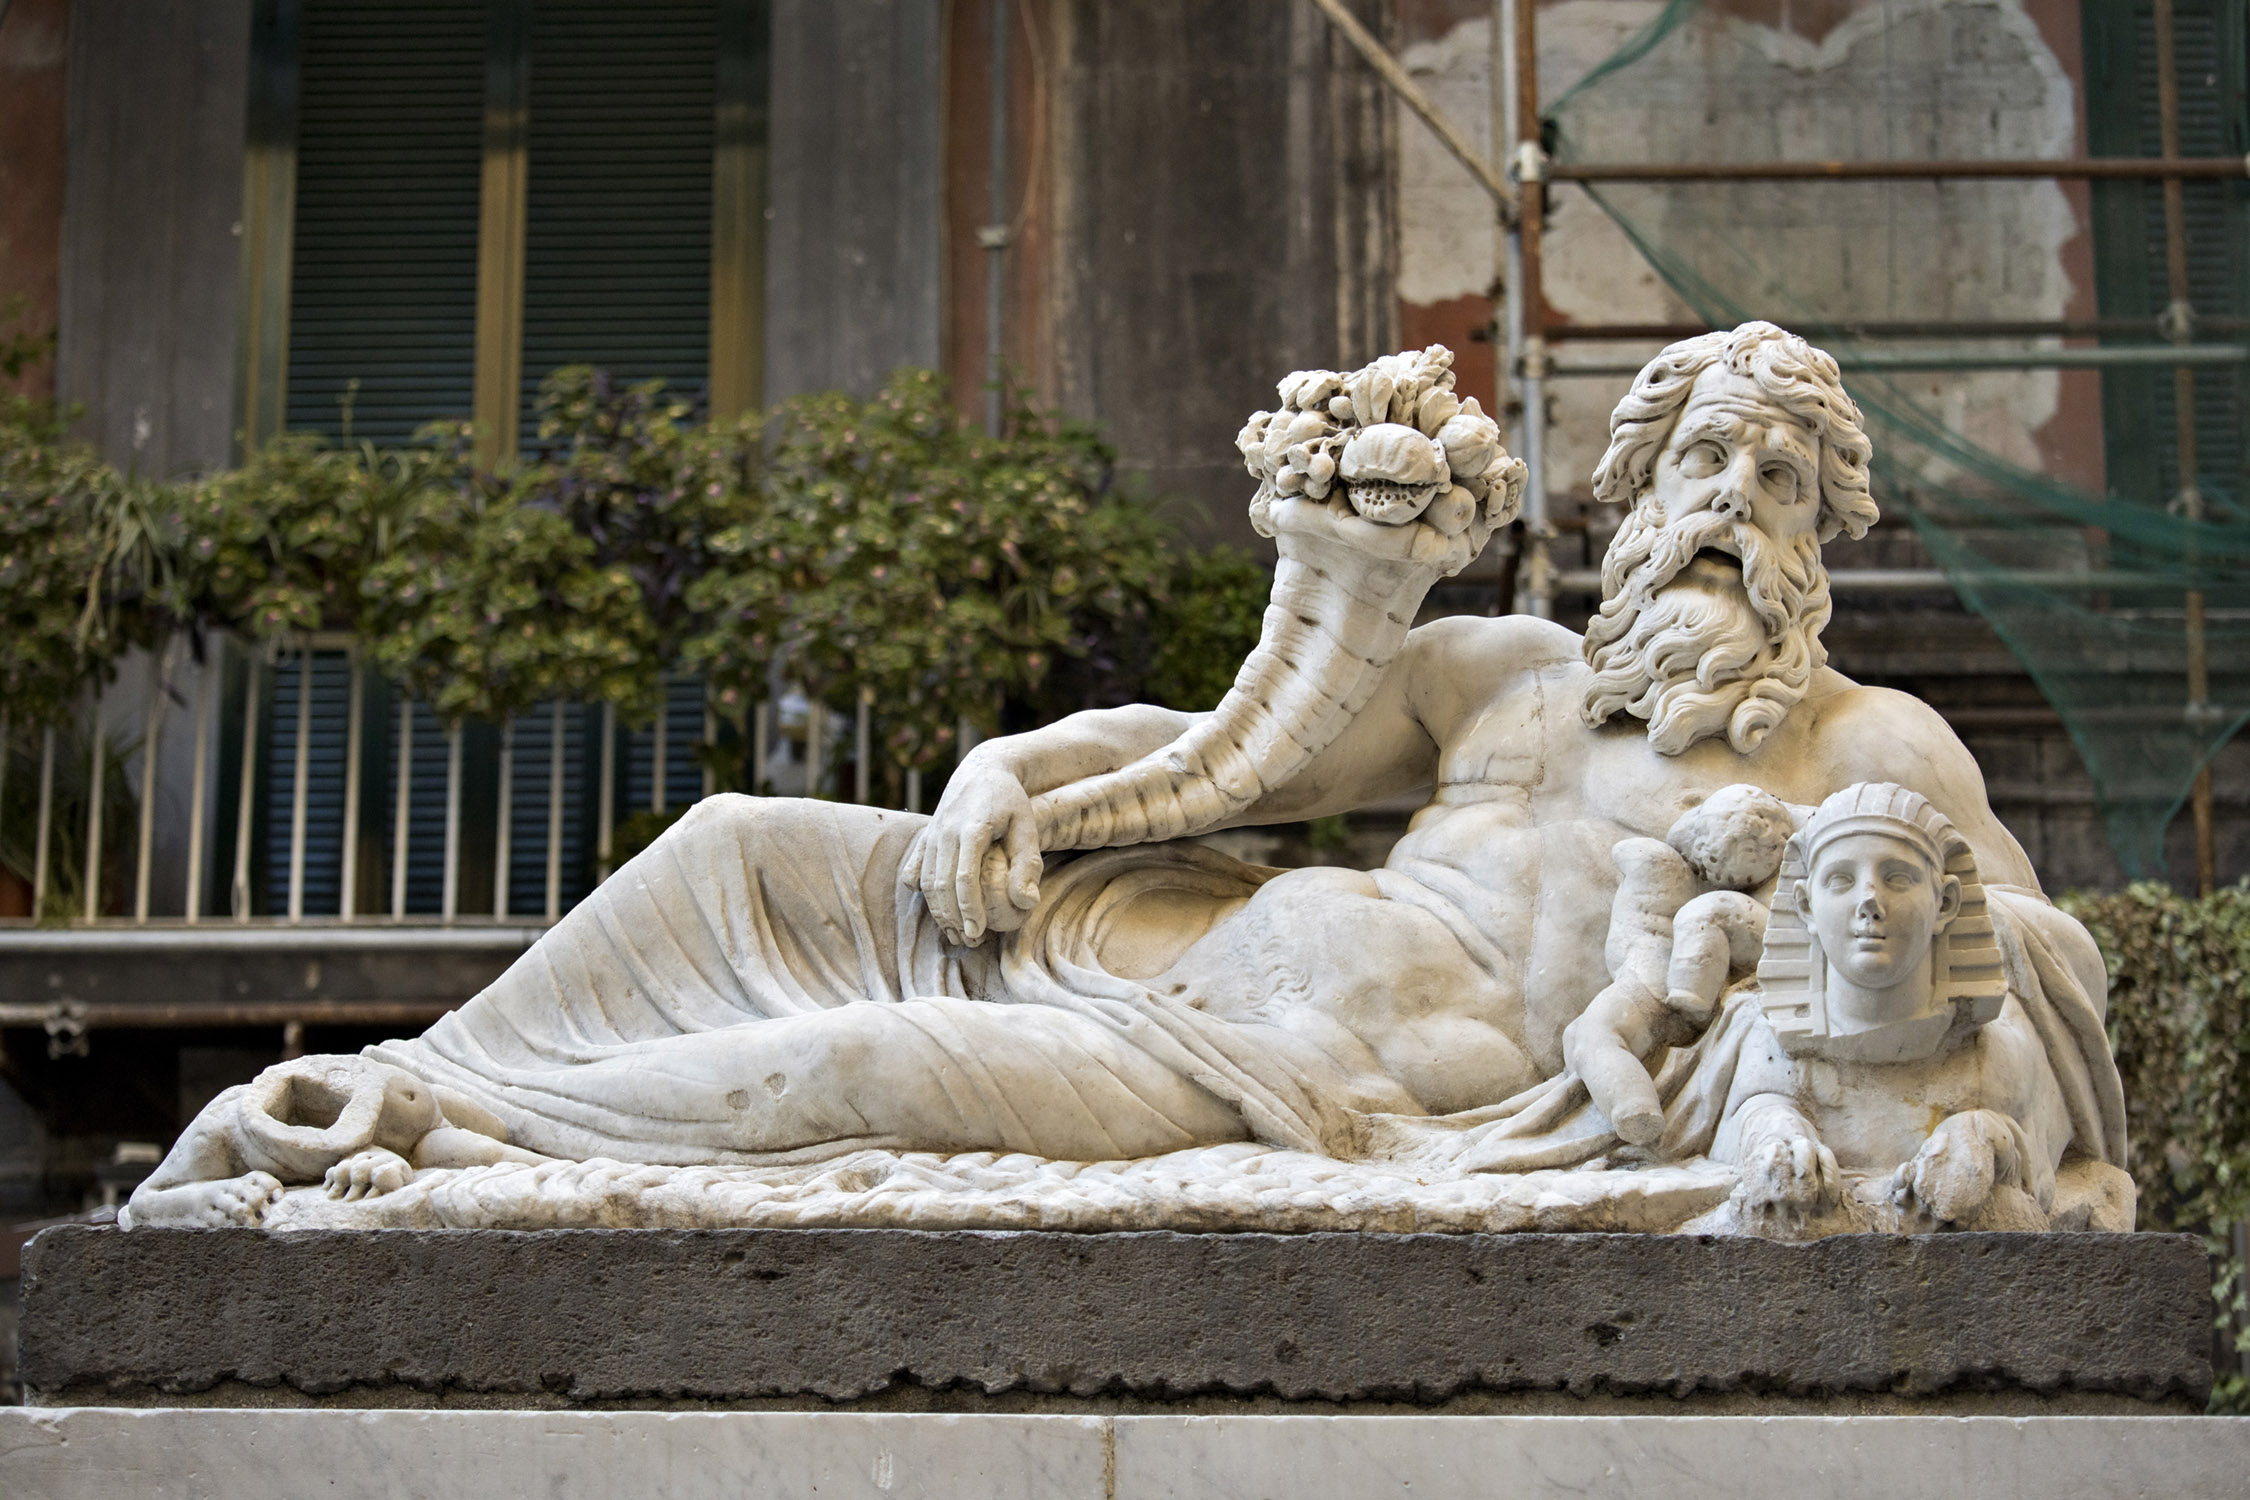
<point>1880,945</point>
<point>1738,454</point>
<point>1877,895</point>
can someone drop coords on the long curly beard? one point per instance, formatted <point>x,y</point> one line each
<point>1694,658</point>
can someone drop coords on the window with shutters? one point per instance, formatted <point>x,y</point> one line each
<point>383,280</point>
<point>2140,421</point>
<point>636,243</point>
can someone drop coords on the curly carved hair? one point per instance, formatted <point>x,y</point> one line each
<point>1802,380</point>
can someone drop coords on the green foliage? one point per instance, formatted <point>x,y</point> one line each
<point>57,509</point>
<point>277,547</point>
<point>648,487</point>
<point>20,349</point>
<point>2179,1001</point>
<point>942,569</point>
<point>489,603</point>
<point>875,545</point>
<point>1213,607</point>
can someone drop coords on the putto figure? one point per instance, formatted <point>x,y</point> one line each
<point>1147,997</point>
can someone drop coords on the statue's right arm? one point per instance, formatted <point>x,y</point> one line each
<point>987,805</point>
<point>1446,669</point>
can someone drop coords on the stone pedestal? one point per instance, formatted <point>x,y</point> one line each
<point>1117,1323</point>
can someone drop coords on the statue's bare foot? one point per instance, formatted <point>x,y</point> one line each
<point>229,1203</point>
<point>1953,1174</point>
<point>368,1174</point>
<point>1787,1180</point>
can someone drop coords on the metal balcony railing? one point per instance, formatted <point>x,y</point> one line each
<point>311,793</point>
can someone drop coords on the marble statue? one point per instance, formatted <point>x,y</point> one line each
<point>1560,1004</point>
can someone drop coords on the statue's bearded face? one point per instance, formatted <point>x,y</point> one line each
<point>1714,595</point>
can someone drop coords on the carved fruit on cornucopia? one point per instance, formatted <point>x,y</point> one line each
<point>1374,485</point>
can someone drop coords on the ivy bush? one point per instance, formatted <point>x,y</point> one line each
<point>2179,1001</point>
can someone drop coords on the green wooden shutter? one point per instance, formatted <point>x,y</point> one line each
<point>2139,422</point>
<point>617,258</point>
<point>384,275</point>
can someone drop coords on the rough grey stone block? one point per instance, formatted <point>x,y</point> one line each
<point>602,1316</point>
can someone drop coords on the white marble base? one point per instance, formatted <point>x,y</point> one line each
<point>94,1453</point>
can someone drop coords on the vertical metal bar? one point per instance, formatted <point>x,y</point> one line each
<point>1507,383</point>
<point>816,723</point>
<point>300,772</point>
<point>2180,317</point>
<point>710,743</point>
<point>402,812</point>
<point>207,688</point>
<point>557,722</point>
<point>863,753</point>
<point>761,731</point>
<point>7,745</point>
<point>994,236</point>
<point>657,747</point>
<point>1531,171</point>
<point>450,904</point>
<point>46,823</point>
<point>605,823</point>
<point>238,892</point>
<point>93,903</point>
<point>914,791</point>
<point>147,841</point>
<point>347,890</point>
<point>503,844</point>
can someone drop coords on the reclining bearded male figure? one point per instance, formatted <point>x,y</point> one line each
<point>703,1006</point>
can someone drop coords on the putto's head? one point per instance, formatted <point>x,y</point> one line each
<point>1738,454</point>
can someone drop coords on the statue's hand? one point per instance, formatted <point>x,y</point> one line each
<point>1788,1173</point>
<point>977,863</point>
<point>368,1174</point>
<point>1954,1173</point>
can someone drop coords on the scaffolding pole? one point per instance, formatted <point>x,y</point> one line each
<point>2180,315</point>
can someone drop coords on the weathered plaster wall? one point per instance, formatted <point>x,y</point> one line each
<point>1221,215</point>
<point>151,227</point>
<point>1760,81</point>
<point>852,217</point>
<point>34,48</point>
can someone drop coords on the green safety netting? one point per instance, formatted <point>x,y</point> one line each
<point>2089,589</point>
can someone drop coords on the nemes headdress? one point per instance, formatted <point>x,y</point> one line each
<point>1793,970</point>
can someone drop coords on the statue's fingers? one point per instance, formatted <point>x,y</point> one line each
<point>1023,862</point>
<point>937,882</point>
<point>910,865</point>
<point>968,889</point>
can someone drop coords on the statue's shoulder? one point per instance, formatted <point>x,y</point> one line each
<point>1494,645</point>
<point>1876,721</point>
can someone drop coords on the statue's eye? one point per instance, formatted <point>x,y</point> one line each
<point>1780,480</point>
<point>1702,460</point>
<point>1902,880</point>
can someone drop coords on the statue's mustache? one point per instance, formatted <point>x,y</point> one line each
<point>1772,580</point>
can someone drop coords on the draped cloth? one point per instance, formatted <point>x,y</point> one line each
<point>758,988</point>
